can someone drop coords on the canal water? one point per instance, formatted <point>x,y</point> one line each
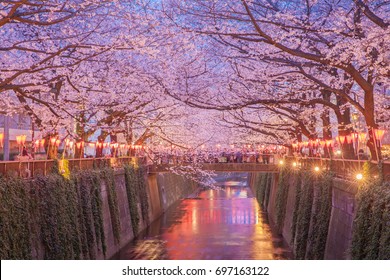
<point>218,224</point>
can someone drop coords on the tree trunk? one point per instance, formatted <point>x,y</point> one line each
<point>344,124</point>
<point>326,124</point>
<point>369,115</point>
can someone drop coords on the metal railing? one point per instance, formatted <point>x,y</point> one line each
<point>32,168</point>
<point>346,169</point>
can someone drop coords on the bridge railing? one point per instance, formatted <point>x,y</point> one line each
<point>217,167</point>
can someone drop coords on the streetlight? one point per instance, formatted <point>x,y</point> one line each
<point>359,176</point>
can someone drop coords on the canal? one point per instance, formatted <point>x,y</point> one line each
<point>216,224</point>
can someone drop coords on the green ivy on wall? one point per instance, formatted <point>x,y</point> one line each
<point>97,210</point>
<point>63,217</point>
<point>132,196</point>
<point>14,219</point>
<point>303,215</point>
<point>281,198</point>
<point>137,193</point>
<point>143,194</point>
<point>109,179</point>
<point>371,234</point>
<point>320,216</point>
<point>55,213</point>
<point>384,241</point>
<point>268,185</point>
<point>298,187</point>
<point>260,188</point>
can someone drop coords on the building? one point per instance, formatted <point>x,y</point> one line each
<point>10,128</point>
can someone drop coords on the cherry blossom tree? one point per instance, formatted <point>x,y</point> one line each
<point>339,46</point>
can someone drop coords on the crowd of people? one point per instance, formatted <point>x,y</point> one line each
<point>264,156</point>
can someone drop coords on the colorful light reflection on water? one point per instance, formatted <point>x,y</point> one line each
<point>225,224</point>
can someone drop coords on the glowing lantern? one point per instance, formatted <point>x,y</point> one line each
<point>341,139</point>
<point>1,139</point>
<point>316,169</point>
<point>18,140</point>
<point>53,141</point>
<point>295,146</point>
<point>349,138</point>
<point>379,133</point>
<point>79,144</point>
<point>362,136</point>
<point>329,143</point>
<point>359,176</point>
<point>71,143</point>
<point>42,142</point>
<point>58,142</point>
<point>36,143</point>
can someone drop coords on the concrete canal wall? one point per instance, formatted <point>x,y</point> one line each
<point>342,212</point>
<point>163,190</point>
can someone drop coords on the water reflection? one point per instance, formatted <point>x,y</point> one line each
<point>219,224</point>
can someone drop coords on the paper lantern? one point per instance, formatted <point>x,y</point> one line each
<point>379,134</point>
<point>79,144</point>
<point>329,143</point>
<point>341,139</point>
<point>362,136</point>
